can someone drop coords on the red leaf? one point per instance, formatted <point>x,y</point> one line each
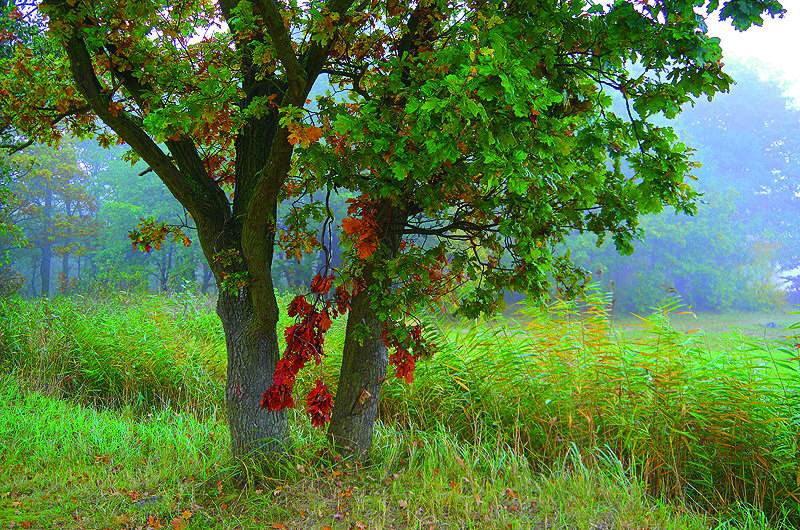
<point>321,285</point>
<point>319,404</point>
<point>278,397</point>
<point>299,306</point>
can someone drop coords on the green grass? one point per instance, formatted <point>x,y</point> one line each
<point>558,422</point>
<point>69,466</point>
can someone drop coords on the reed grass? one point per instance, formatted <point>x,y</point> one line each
<point>706,428</point>
<point>71,466</point>
<point>125,351</point>
<point>656,413</point>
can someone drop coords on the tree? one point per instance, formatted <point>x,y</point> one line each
<point>753,150</point>
<point>53,207</point>
<point>212,96</point>
<point>479,145</point>
<point>746,228</point>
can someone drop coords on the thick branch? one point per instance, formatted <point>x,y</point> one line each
<point>273,20</point>
<point>314,58</point>
<point>204,207</point>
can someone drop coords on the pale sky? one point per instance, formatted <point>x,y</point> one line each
<point>775,45</point>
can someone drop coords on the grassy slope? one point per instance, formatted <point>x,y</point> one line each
<point>461,447</point>
<point>69,466</point>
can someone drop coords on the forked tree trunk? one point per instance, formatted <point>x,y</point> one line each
<point>251,364</point>
<point>364,363</point>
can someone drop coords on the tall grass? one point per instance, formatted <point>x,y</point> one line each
<point>562,390</point>
<point>713,428</point>
<point>141,352</point>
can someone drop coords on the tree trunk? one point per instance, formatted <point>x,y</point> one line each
<point>252,357</point>
<point>47,255</point>
<point>34,268</point>
<point>208,275</point>
<point>364,357</point>
<point>364,363</point>
<point>65,270</point>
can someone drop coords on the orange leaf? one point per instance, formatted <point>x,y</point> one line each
<point>304,136</point>
<point>351,226</point>
<point>179,523</point>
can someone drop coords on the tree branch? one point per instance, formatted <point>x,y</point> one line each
<point>198,202</point>
<point>273,20</point>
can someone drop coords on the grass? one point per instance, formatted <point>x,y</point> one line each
<point>70,466</point>
<point>111,414</point>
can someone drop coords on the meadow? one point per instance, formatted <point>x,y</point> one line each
<point>112,416</point>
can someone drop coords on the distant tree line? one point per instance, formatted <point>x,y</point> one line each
<point>68,212</point>
<point>741,249</point>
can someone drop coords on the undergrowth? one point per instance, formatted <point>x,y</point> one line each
<point>499,418</point>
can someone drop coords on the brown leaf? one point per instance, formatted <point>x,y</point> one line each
<point>187,514</point>
<point>179,523</point>
<point>510,493</point>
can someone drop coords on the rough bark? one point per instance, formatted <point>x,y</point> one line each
<point>252,356</point>
<point>364,363</point>
<point>364,356</point>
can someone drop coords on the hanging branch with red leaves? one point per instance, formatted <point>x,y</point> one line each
<point>409,345</point>
<point>304,342</point>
